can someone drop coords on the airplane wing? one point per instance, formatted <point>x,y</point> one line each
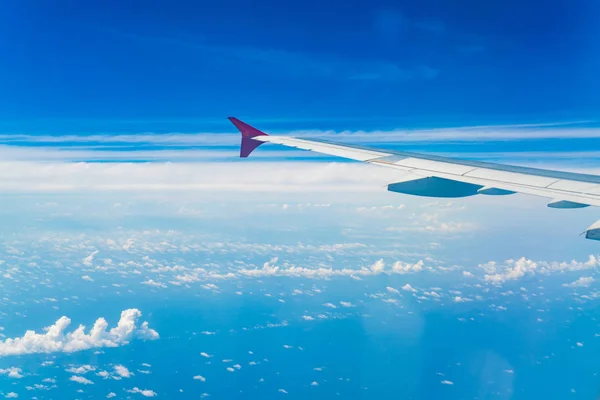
<point>435,176</point>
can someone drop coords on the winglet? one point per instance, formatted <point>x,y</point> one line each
<point>248,133</point>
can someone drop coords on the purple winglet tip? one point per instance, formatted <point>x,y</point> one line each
<point>248,146</point>
<point>248,132</point>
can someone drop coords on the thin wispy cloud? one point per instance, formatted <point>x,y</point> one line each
<point>281,62</point>
<point>511,132</point>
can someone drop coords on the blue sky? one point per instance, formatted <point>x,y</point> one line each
<point>124,206</point>
<point>393,63</point>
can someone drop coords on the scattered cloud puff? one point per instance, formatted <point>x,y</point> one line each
<point>409,288</point>
<point>11,395</point>
<point>123,371</point>
<point>82,370</point>
<point>55,339</point>
<point>81,379</point>
<point>150,282</point>
<point>143,392</point>
<point>446,382</point>
<point>12,372</point>
<point>459,299</point>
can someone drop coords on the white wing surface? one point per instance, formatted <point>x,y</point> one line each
<point>435,176</point>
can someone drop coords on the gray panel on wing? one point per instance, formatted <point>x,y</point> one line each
<point>432,186</point>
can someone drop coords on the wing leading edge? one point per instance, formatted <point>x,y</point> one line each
<point>436,176</point>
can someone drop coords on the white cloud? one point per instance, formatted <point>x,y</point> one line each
<point>150,282</point>
<point>11,395</point>
<point>206,355</point>
<point>379,267</point>
<point>90,259</point>
<point>516,269</point>
<point>392,290</point>
<point>81,370</point>
<point>121,370</point>
<point>145,392</point>
<point>409,288</point>
<point>346,304</point>
<point>200,378</point>
<point>446,382</point>
<point>308,318</point>
<point>55,339</point>
<point>511,271</point>
<point>111,395</point>
<point>459,299</point>
<point>81,379</point>
<point>584,281</point>
<point>12,372</point>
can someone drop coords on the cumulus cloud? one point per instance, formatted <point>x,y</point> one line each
<point>81,379</point>
<point>409,288</point>
<point>12,372</point>
<point>81,370</point>
<point>584,281</point>
<point>143,392</point>
<point>56,339</point>
<point>121,370</point>
<point>379,267</point>
<point>516,269</point>
<point>150,282</point>
<point>459,299</point>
